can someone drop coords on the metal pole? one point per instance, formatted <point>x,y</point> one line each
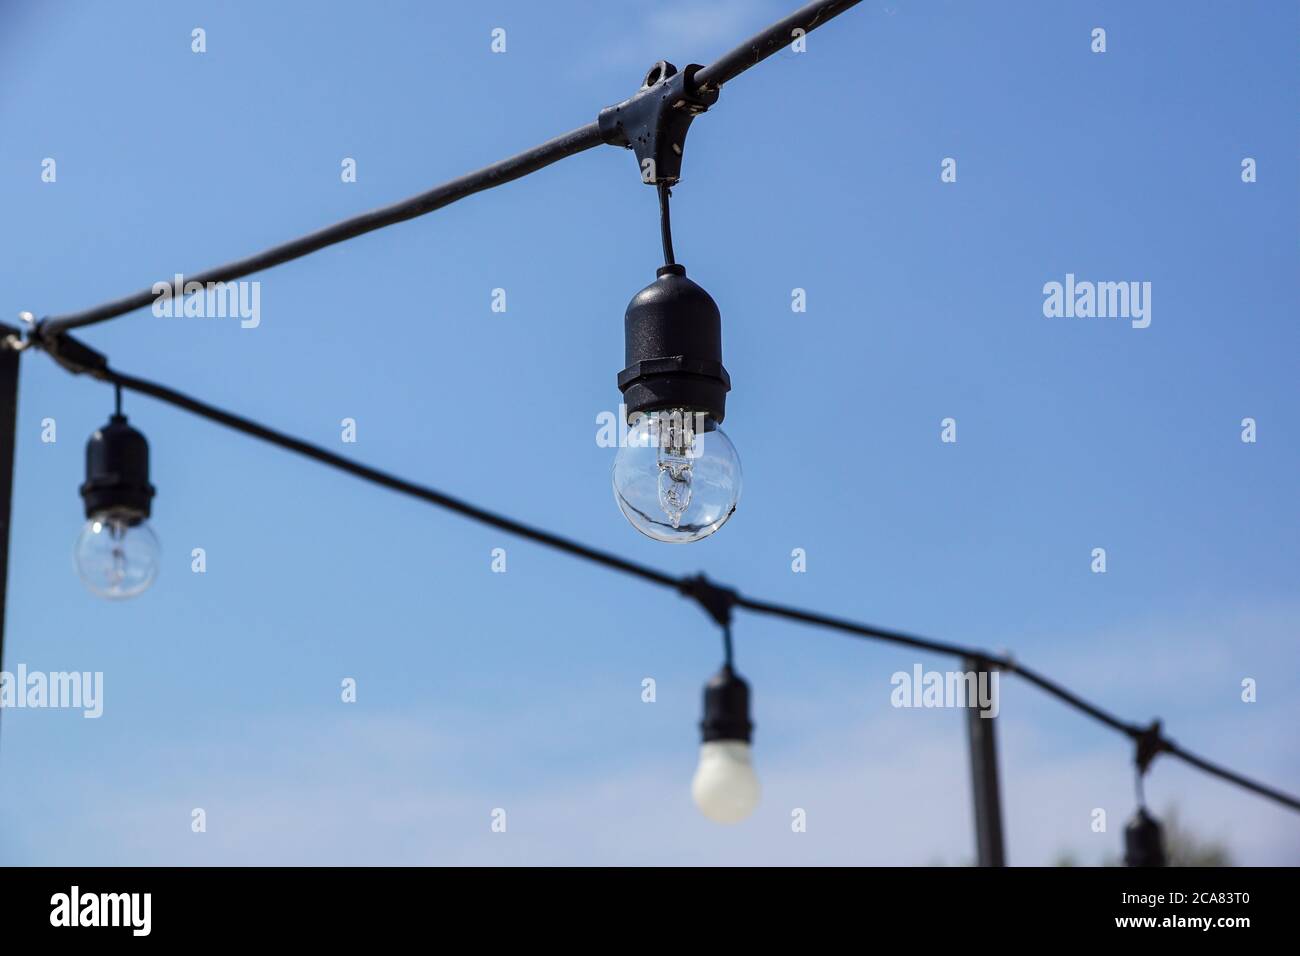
<point>9,336</point>
<point>984,775</point>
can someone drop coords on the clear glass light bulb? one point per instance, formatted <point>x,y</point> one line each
<point>725,787</point>
<point>677,477</point>
<point>116,555</point>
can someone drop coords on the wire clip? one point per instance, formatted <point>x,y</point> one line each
<point>653,123</point>
<point>717,601</point>
<point>1150,742</point>
<point>77,357</point>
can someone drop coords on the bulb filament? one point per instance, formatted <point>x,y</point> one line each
<point>675,442</point>
<point>117,531</point>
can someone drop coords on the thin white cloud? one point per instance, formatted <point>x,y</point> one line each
<point>879,786</point>
<point>889,791</point>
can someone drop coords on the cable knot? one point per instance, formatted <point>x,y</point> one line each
<point>717,601</point>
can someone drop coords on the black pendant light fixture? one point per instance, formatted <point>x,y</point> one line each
<point>677,476</point>
<point>725,787</point>
<point>1144,841</point>
<point>117,552</point>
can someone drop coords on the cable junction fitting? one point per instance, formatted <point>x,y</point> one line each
<point>653,122</point>
<point>1150,742</point>
<point>716,600</point>
<point>74,355</point>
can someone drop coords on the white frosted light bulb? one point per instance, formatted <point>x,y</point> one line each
<point>116,556</point>
<point>677,477</point>
<point>725,787</point>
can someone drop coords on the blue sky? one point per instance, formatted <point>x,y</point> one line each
<point>522,690</point>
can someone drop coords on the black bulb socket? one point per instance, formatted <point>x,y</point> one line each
<point>117,472</point>
<point>673,349</point>
<point>726,708</point>
<point>1144,843</point>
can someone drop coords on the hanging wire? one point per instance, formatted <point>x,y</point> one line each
<point>665,224</point>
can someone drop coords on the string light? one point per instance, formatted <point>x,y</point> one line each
<point>725,786</point>
<point>117,552</point>
<point>117,487</point>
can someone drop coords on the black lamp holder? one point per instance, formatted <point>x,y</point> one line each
<point>1144,843</point>
<point>726,708</point>
<point>117,472</point>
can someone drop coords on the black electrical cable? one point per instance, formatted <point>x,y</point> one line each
<point>1078,703</point>
<point>850,627</point>
<point>715,599</point>
<point>1224,773</point>
<point>1051,687</point>
<point>731,65</point>
<point>760,47</point>
<point>507,170</point>
<point>238,423</point>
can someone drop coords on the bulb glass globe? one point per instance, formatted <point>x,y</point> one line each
<point>116,555</point>
<point>677,476</point>
<point>725,787</point>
